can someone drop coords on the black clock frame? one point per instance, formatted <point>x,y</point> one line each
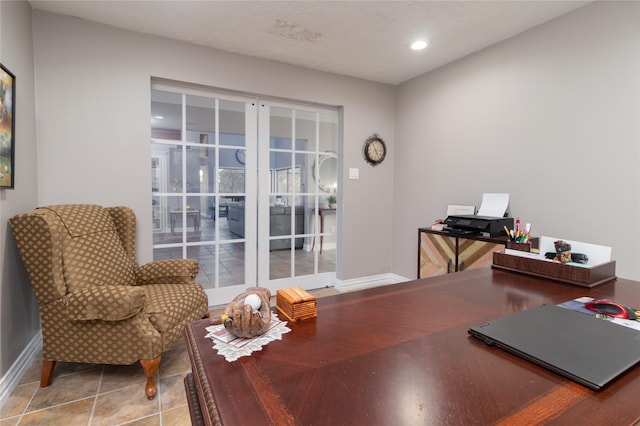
<point>368,142</point>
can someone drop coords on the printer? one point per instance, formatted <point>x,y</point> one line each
<point>475,225</point>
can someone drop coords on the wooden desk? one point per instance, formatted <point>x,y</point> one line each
<point>401,355</point>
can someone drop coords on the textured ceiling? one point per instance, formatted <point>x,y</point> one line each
<point>365,39</point>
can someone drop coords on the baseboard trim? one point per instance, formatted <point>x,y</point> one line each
<point>12,378</point>
<point>368,282</point>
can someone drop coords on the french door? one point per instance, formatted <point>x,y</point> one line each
<point>297,173</point>
<point>242,186</point>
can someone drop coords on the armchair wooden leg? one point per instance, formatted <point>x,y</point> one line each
<point>47,373</point>
<point>150,367</point>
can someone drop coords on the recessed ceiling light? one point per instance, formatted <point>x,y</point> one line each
<point>419,45</point>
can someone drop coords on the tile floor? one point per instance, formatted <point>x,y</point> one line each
<point>232,254</point>
<point>89,394</point>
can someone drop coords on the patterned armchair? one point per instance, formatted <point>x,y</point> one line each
<point>96,304</point>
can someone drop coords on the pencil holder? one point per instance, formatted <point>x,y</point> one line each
<point>519,246</point>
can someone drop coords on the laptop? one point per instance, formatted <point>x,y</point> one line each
<point>588,350</point>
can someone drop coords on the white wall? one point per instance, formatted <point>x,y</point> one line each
<point>18,309</point>
<point>551,116</point>
<point>93,123</point>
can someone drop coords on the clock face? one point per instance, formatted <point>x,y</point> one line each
<point>375,150</point>
<point>241,156</point>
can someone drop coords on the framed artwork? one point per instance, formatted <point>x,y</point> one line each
<point>7,128</point>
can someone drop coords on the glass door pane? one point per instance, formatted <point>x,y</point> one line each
<point>199,183</point>
<point>243,187</point>
<point>290,235</point>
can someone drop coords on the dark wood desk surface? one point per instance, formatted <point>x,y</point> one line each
<point>401,355</point>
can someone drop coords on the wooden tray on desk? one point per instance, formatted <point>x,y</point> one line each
<point>576,275</point>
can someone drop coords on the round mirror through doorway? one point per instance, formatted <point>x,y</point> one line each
<point>327,178</point>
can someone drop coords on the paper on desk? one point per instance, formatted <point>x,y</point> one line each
<point>578,305</point>
<point>530,255</point>
<point>493,205</point>
<point>597,254</point>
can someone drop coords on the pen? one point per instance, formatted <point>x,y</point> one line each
<point>507,231</point>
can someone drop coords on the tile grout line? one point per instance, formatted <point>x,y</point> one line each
<point>159,396</point>
<point>24,411</point>
<point>95,399</point>
<point>62,404</point>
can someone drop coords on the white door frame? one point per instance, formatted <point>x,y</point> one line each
<point>318,279</point>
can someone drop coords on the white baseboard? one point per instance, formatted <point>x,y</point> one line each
<point>12,378</point>
<point>325,246</point>
<point>368,282</point>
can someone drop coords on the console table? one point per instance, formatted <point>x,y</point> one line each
<point>322,213</point>
<point>400,355</point>
<point>441,252</point>
<point>174,214</point>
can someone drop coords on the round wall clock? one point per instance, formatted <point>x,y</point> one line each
<point>241,156</point>
<point>375,150</point>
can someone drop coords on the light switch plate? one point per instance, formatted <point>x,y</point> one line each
<point>354,173</point>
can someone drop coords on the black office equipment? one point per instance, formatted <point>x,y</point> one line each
<point>472,224</point>
<point>580,347</point>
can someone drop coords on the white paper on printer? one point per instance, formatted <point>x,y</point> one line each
<point>453,210</point>
<point>493,205</point>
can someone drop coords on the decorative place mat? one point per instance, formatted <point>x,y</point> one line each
<point>232,347</point>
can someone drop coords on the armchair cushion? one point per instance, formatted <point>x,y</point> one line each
<point>94,254</point>
<point>107,303</point>
<point>176,271</point>
<point>168,304</point>
<point>96,260</point>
